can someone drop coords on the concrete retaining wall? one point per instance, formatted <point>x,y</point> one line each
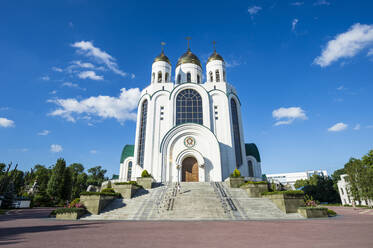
<point>287,203</point>
<point>95,203</point>
<point>313,212</point>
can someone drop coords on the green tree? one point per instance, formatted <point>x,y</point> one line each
<point>41,175</point>
<point>96,176</point>
<point>336,176</point>
<point>319,188</point>
<point>79,179</point>
<point>56,185</point>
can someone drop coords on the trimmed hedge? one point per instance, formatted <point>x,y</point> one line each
<point>318,208</point>
<point>108,190</point>
<point>127,183</point>
<point>69,210</point>
<point>101,193</point>
<point>331,213</point>
<point>287,192</point>
<point>251,182</point>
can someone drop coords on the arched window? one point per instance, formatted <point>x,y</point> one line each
<point>153,77</point>
<point>142,133</point>
<point>159,77</point>
<point>166,77</point>
<point>198,79</point>
<point>178,78</point>
<point>224,78</point>
<point>236,133</point>
<point>129,173</point>
<point>217,76</point>
<point>189,77</point>
<point>251,169</point>
<point>189,107</point>
<point>211,77</point>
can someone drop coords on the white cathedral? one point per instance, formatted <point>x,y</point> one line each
<point>189,130</point>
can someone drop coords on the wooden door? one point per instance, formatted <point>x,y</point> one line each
<point>190,170</point>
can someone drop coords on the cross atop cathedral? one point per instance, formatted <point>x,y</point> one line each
<point>188,39</point>
<point>213,45</point>
<point>163,44</point>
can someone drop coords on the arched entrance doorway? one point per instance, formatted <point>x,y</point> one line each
<point>189,172</point>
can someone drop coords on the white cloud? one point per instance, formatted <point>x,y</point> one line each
<point>357,127</point>
<point>294,24</point>
<point>56,148</point>
<point>232,64</point>
<point>70,84</point>
<point>254,10</point>
<point>4,122</point>
<point>297,3</point>
<point>44,132</point>
<point>87,48</point>
<point>84,64</point>
<point>121,108</point>
<point>93,151</point>
<point>286,116</point>
<point>133,76</point>
<point>370,52</point>
<point>321,2</point>
<point>90,74</point>
<point>338,127</point>
<point>45,78</point>
<point>53,92</point>
<point>346,45</point>
<point>341,87</point>
<point>57,69</point>
<point>369,126</point>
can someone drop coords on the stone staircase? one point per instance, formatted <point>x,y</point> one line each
<point>191,201</point>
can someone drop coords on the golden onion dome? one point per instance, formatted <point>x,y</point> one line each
<point>215,56</point>
<point>188,57</point>
<point>162,57</point>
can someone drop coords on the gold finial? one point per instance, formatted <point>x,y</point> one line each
<point>188,39</point>
<point>163,44</point>
<point>213,45</point>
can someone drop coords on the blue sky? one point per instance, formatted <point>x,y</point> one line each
<point>303,71</point>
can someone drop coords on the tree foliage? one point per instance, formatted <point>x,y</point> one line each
<point>96,176</point>
<point>320,188</point>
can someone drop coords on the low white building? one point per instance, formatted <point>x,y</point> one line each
<point>291,178</point>
<point>345,193</point>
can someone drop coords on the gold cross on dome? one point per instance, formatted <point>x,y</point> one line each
<point>163,44</point>
<point>213,45</point>
<point>188,39</point>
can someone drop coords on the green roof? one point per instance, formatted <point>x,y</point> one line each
<point>127,151</point>
<point>252,150</point>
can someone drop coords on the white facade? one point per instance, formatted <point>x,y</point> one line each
<point>345,194</point>
<point>291,178</point>
<point>189,119</point>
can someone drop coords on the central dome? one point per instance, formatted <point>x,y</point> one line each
<point>188,57</point>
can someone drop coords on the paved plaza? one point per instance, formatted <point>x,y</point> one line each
<point>31,228</point>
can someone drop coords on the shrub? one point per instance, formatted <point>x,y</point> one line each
<point>101,193</point>
<point>236,173</point>
<point>145,173</point>
<point>126,183</point>
<point>331,213</point>
<point>108,190</point>
<point>251,182</point>
<point>76,204</point>
<point>309,202</point>
<point>287,192</point>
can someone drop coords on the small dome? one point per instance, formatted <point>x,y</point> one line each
<point>162,57</point>
<point>215,56</point>
<point>188,57</point>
